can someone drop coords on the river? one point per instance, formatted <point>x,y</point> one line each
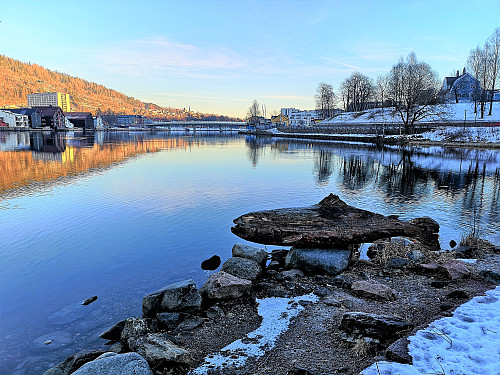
<point>120,214</point>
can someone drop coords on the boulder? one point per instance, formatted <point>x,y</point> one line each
<point>171,320</point>
<point>292,275</point>
<point>134,327</point>
<point>381,327</point>
<point>157,350</point>
<point>330,224</point>
<point>211,264</point>
<point>330,261</point>
<point>455,270</point>
<point>112,364</point>
<point>249,252</point>
<point>114,333</point>
<point>181,296</point>
<point>189,324</point>
<point>464,252</point>
<point>74,362</point>
<point>243,268</point>
<point>274,266</point>
<point>342,281</point>
<point>398,352</point>
<point>490,276</point>
<point>223,285</point>
<point>415,255</point>
<point>379,292</point>
<point>215,312</point>
<point>431,268</point>
<point>279,255</point>
<point>397,263</point>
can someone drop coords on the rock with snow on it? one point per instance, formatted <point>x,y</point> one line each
<point>382,327</point>
<point>455,270</point>
<point>398,351</point>
<point>379,292</point>
<point>329,261</point>
<point>243,268</point>
<point>223,285</point>
<point>157,349</point>
<point>250,252</point>
<point>112,364</point>
<point>134,327</point>
<point>113,333</point>
<point>292,275</point>
<point>181,296</point>
<point>491,276</point>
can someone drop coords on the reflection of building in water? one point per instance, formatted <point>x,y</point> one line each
<point>23,168</point>
<point>10,141</point>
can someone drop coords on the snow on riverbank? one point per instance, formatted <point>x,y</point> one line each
<point>468,343</point>
<point>276,316</point>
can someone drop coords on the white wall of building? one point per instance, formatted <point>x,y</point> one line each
<point>297,117</point>
<point>14,119</point>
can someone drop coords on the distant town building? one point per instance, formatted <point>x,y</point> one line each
<point>297,117</point>
<point>460,88</point>
<point>34,116</point>
<point>82,120</point>
<point>47,99</point>
<point>280,120</point>
<point>126,121</point>
<point>52,117</point>
<point>13,120</point>
<point>98,123</point>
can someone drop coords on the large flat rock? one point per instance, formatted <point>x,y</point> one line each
<point>330,224</point>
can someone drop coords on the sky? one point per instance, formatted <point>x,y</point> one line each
<point>218,56</point>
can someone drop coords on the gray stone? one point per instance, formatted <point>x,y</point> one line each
<point>464,252</point>
<point>118,347</point>
<point>279,255</point>
<point>273,265</point>
<point>243,268</point>
<point>181,296</point>
<point>398,352</point>
<point>190,323</point>
<point>491,276</point>
<point>223,285</point>
<point>330,261</point>
<point>342,281</point>
<point>374,291</point>
<point>113,364</point>
<point>171,320</point>
<point>273,292</point>
<point>455,270</point>
<point>215,312</point>
<point>381,327</point>
<point>249,252</point>
<point>292,275</point>
<point>397,263</point>
<point>74,362</point>
<point>415,255</point>
<point>331,301</point>
<point>134,327</point>
<point>157,349</point>
<point>113,333</point>
<point>321,291</point>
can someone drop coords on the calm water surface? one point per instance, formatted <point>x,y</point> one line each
<point>119,215</point>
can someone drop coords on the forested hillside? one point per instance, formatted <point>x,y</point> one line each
<point>17,79</point>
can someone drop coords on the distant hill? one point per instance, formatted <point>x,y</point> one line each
<point>17,79</point>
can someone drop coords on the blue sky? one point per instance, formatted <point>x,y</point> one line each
<point>217,56</point>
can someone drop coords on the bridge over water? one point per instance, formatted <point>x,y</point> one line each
<point>202,125</point>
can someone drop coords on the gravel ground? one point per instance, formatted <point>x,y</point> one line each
<point>313,341</point>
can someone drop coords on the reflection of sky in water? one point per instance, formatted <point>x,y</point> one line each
<point>140,215</point>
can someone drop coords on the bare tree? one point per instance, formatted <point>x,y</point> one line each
<point>475,66</point>
<point>356,91</point>
<point>254,113</point>
<point>479,62</point>
<point>325,100</point>
<point>494,58</point>
<point>413,89</point>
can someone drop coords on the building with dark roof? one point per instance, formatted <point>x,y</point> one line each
<point>461,88</point>
<point>83,120</point>
<point>34,116</point>
<point>52,117</point>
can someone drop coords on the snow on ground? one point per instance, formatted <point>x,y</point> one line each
<point>276,315</point>
<point>456,112</point>
<point>464,134</point>
<point>467,343</point>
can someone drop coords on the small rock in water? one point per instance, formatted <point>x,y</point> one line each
<point>88,301</point>
<point>211,264</point>
<point>453,243</point>
<point>48,342</point>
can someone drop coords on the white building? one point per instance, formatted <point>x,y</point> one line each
<point>98,123</point>
<point>296,117</point>
<point>14,120</point>
<point>47,99</point>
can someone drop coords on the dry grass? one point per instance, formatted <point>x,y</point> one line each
<point>361,348</point>
<point>473,240</point>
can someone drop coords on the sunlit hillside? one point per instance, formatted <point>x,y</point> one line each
<point>17,79</point>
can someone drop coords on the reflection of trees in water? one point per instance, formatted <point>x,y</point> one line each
<point>255,149</point>
<point>322,166</point>
<point>355,172</point>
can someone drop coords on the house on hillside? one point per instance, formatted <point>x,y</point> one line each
<point>34,116</point>
<point>52,117</point>
<point>460,88</point>
<point>82,120</point>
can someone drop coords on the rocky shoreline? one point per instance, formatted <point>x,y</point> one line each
<point>276,313</point>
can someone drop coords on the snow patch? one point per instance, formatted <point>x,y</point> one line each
<point>466,343</point>
<point>276,315</point>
